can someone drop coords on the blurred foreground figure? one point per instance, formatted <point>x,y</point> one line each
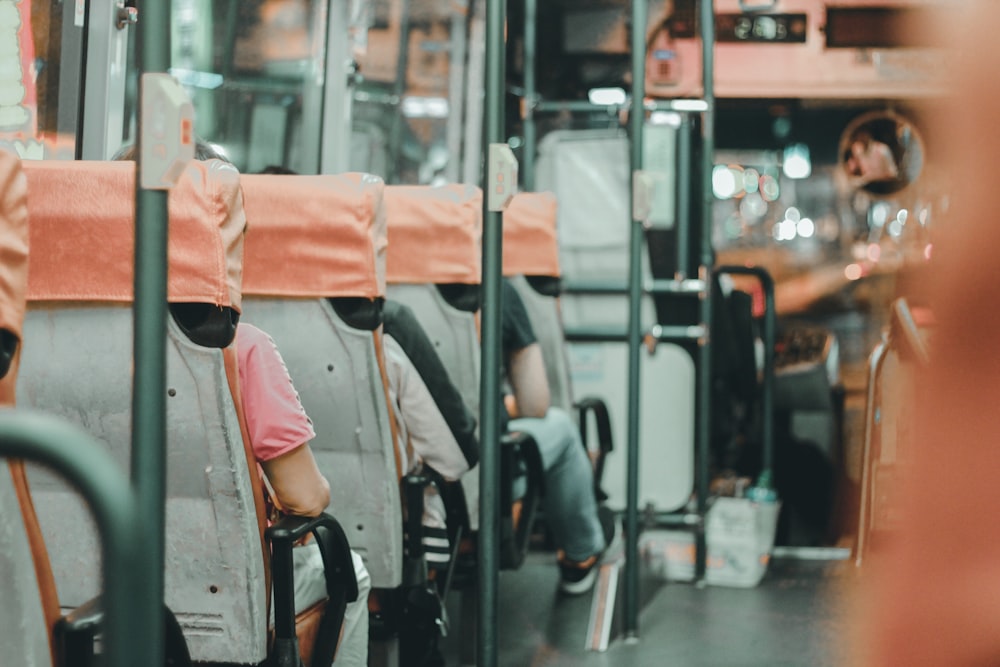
<point>932,595</point>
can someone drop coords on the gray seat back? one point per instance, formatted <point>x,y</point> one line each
<point>78,365</point>
<point>531,249</point>
<point>434,239</point>
<point>23,632</point>
<point>314,241</point>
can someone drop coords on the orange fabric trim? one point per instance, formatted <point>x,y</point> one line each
<point>39,554</point>
<point>434,234</point>
<point>530,240</point>
<point>380,357</point>
<point>82,240</point>
<point>13,242</point>
<point>231,360</point>
<point>315,236</point>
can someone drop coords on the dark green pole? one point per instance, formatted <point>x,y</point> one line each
<point>637,117</point>
<point>129,627</point>
<point>398,91</point>
<point>530,92</point>
<point>489,463</point>
<point>704,400</point>
<point>149,384</point>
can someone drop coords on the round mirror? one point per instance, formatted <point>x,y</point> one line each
<point>881,152</point>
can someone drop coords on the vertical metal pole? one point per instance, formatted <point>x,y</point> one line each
<point>398,91</point>
<point>149,384</point>
<point>489,464</point>
<point>704,401</point>
<point>530,92</point>
<point>456,82</point>
<point>637,119</point>
<point>685,163</point>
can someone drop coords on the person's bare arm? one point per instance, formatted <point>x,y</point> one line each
<point>527,378</point>
<point>298,485</point>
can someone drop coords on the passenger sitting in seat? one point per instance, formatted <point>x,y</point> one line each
<point>582,530</point>
<point>279,432</point>
<point>431,417</point>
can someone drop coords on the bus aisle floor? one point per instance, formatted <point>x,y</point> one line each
<point>792,619</point>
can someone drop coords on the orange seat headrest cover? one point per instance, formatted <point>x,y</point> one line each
<point>315,236</point>
<point>13,242</point>
<point>434,234</point>
<point>530,241</point>
<point>82,232</point>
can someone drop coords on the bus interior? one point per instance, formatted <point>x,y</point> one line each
<point>732,286</point>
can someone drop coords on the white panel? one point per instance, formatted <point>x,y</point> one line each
<point>666,418</point>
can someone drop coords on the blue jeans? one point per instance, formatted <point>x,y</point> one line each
<point>570,506</point>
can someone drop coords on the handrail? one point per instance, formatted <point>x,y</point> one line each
<point>489,388</point>
<point>129,627</point>
<point>637,121</point>
<point>149,406</point>
<point>703,427</point>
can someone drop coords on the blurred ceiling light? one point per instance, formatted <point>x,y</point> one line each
<point>195,79</point>
<point>784,231</point>
<point>796,163</point>
<point>669,118</point>
<point>607,97</point>
<point>723,182</point>
<point>769,188</point>
<point>853,271</point>
<point>425,107</point>
<point>805,228</point>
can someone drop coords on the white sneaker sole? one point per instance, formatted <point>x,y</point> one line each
<point>582,586</point>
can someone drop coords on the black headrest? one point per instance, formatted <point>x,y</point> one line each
<point>358,311</point>
<point>545,285</point>
<point>206,324</point>
<point>8,349</point>
<point>460,295</point>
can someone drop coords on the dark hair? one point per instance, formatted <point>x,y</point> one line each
<point>278,170</point>
<point>202,151</point>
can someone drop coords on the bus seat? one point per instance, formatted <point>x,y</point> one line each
<point>531,263</point>
<point>79,365</point>
<point>436,282</point>
<point>895,367</point>
<point>314,279</point>
<point>440,283</point>
<point>30,607</point>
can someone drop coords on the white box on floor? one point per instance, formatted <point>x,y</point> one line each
<point>740,536</point>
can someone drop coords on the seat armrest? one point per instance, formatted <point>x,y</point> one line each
<point>341,582</point>
<point>75,634</point>
<point>605,440</point>
<point>414,565</point>
<point>517,449</point>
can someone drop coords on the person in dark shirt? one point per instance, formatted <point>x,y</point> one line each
<point>582,530</point>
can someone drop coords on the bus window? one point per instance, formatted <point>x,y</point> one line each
<point>40,85</point>
<point>254,71</point>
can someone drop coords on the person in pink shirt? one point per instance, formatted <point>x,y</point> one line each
<point>279,432</point>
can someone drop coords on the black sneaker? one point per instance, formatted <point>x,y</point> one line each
<point>578,577</point>
<point>575,577</point>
